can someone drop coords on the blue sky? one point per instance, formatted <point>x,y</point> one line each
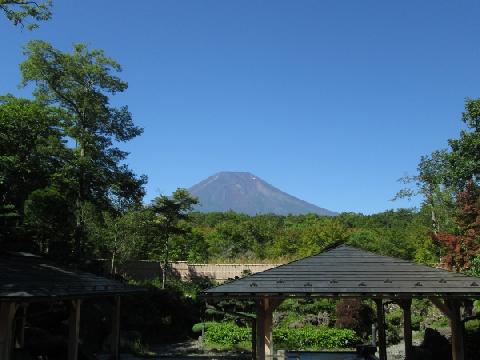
<point>330,101</point>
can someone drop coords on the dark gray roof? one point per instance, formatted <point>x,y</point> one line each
<point>347,271</point>
<point>30,278</point>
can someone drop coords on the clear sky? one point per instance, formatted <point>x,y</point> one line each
<point>330,101</point>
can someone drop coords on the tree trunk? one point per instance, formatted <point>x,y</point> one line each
<point>79,226</point>
<point>112,266</point>
<point>165,264</point>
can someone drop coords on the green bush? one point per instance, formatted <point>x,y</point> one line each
<point>197,328</point>
<point>313,338</point>
<point>416,321</point>
<point>226,335</point>
<point>229,335</point>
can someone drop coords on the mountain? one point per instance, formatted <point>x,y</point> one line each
<point>246,193</point>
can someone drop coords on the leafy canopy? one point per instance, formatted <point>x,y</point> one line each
<point>25,12</point>
<point>80,83</point>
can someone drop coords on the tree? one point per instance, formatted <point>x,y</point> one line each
<point>457,171</point>
<point>463,246</point>
<point>464,157</point>
<point>429,184</point>
<point>19,11</point>
<point>126,235</point>
<point>80,84</point>
<point>33,155</point>
<point>171,214</point>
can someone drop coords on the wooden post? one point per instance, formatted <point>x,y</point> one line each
<point>451,309</point>
<point>264,329</point>
<point>20,329</point>
<point>7,315</point>
<point>382,338</point>
<point>115,327</point>
<point>456,324</point>
<point>406,306</point>
<point>74,329</point>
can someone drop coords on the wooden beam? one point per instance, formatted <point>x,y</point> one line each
<point>264,329</point>
<point>116,328</point>
<point>382,338</point>
<point>74,329</point>
<point>406,306</point>
<point>442,307</point>
<point>7,315</point>
<point>457,326</point>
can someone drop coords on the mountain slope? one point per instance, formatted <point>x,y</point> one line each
<point>246,193</point>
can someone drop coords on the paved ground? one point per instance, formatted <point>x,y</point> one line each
<point>190,350</point>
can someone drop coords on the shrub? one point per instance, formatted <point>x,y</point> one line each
<point>353,314</point>
<point>229,335</point>
<point>197,328</point>
<point>314,338</point>
<point>226,335</point>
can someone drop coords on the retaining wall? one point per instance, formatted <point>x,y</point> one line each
<point>147,270</point>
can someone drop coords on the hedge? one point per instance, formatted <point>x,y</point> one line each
<point>310,337</point>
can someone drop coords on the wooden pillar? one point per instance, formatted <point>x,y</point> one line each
<point>451,309</point>
<point>264,329</point>
<point>382,338</point>
<point>456,324</point>
<point>74,329</point>
<point>20,328</point>
<point>115,328</point>
<point>406,306</point>
<point>7,315</point>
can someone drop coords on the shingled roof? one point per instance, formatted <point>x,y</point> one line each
<point>347,271</point>
<point>30,278</point>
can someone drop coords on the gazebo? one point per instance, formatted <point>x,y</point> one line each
<point>26,279</point>
<point>342,271</point>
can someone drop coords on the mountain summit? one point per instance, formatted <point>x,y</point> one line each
<point>246,193</point>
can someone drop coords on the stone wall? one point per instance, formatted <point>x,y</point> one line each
<point>146,270</point>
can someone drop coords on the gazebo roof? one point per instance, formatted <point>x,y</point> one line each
<point>345,271</point>
<point>24,277</point>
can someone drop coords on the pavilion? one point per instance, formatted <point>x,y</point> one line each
<point>342,271</point>
<point>26,279</point>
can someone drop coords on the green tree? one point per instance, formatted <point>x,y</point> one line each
<point>33,156</point>
<point>126,236</point>
<point>26,12</point>
<point>429,183</point>
<point>456,172</point>
<point>81,83</point>
<point>171,215</point>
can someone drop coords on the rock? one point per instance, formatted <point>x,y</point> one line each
<point>296,325</point>
<point>437,345</point>
<point>311,319</point>
<point>323,319</point>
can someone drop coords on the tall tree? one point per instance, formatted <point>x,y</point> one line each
<point>459,172</point>
<point>171,213</point>
<point>26,12</point>
<point>429,183</point>
<point>81,83</point>
<point>33,154</point>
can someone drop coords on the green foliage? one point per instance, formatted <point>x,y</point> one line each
<point>171,215</point>
<point>229,335</point>
<point>315,338</point>
<point>226,335</point>
<point>81,84</point>
<point>199,327</point>
<point>20,11</point>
